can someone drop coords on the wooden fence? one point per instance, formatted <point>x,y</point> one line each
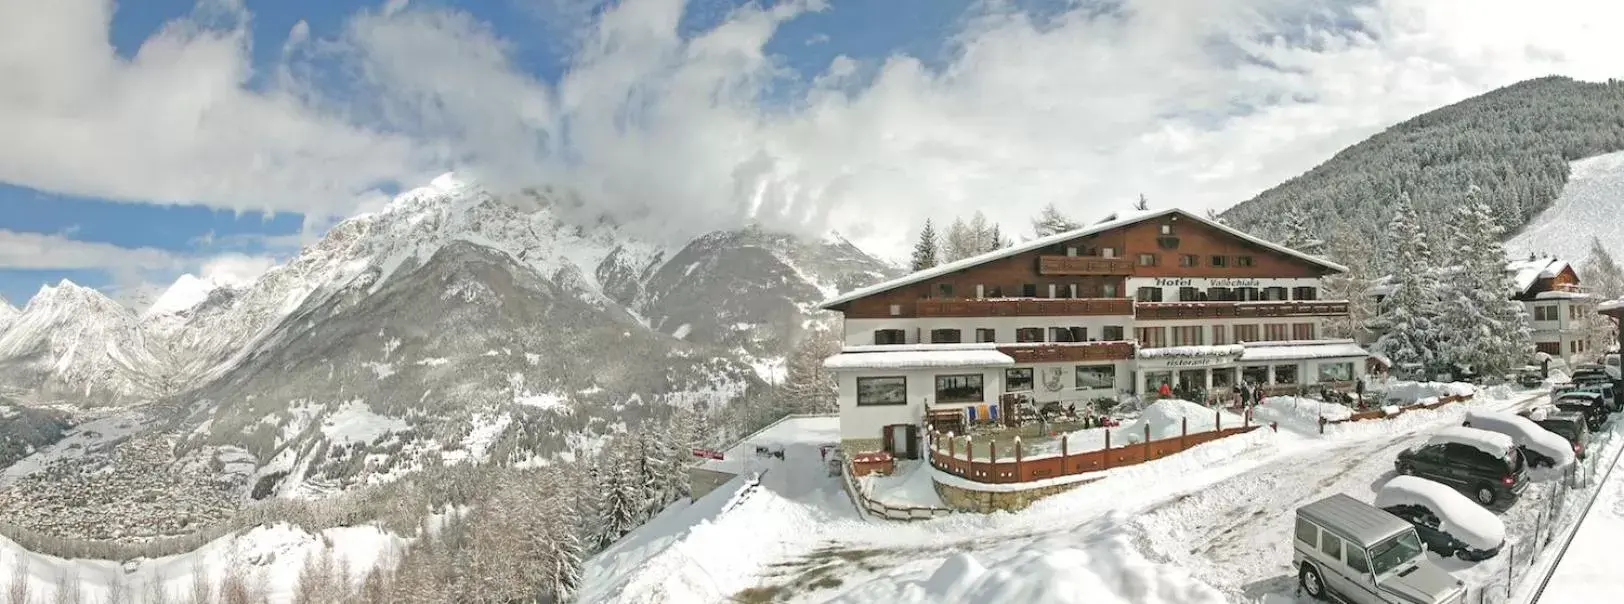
<point>882,509</point>
<point>1066,463</point>
<point>1380,414</point>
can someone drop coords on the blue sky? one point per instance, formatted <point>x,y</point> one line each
<point>541,34</point>
<point>172,136</point>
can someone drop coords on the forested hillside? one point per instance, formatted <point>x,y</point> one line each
<point>1509,147</point>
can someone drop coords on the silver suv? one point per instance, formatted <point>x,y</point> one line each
<point>1364,555</point>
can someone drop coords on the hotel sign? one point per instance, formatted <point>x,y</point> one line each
<point>1202,283</point>
<point>1193,362</point>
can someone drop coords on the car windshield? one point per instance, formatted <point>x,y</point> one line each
<point>1565,428</point>
<point>1395,552</point>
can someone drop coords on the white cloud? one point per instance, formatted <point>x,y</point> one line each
<point>39,251</point>
<point>1195,104</point>
<point>235,269</point>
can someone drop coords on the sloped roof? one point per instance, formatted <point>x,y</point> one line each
<point>1525,272</point>
<point>1042,242</point>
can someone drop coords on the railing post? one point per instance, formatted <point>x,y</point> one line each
<point>1217,420</point>
<point>1063,459</point>
<point>1107,450</point>
<point>1147,441</point>
<point>1322,424</point>
<point>1184,431</point>
<point>1018,476</point>
<point>992,460</point>
<point>952,451</point>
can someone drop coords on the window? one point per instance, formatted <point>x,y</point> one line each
<point>1336,372</point>
<point>1018,380</point>
<point>1151,337</point>
<point>1304,293</point>
<point>1052,291</point>
<point>1274,293</point>
<point>1331,545</point>
<point>1551,348</point>
<point>1256,374</point>
<point>1220,294</point>
<point>1108,252</point>
<point>1220,335</point>
<point>1096,377</point>
<point>1108,290</point>
<point>1148,259</point>
<point>1029,290</point>
<point>995,291</point>
<point>1029,334</point>
<point>1545,312</point>
<point>1220,261</point>
<point>1113,333</point>
<point>985,334</point>
<point>945,336</point>
<point>1167,229</point>
<point>1188,260</point>
<point>944,290</point>
<point>896,310</point>
<point>1285,374</point>
<point>1247,294</point>
<point>1243,261</point>
<point>1071,252</point>
<point>1190,294</point>
<point>1307,532</point>
<point>963,388</point>
<point>891,390</point>
<point>890,336</point>
<point>1245,333</point>
<point>1302,331</point>
<point>1574,313</point>
<point>1060,334</point>
<point>1189,335</point>
<point>1355,559</point>
<point>1274,332</point>
<point>1148,294</point>
<point>1079,334</point>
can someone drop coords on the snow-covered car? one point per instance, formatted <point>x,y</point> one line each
<point>1571,426</point>
<point>1447,521</point>
<point>1539,446</point>
<point>1590,404</point>
<point>1484,464</point>
<point>1354,550</point>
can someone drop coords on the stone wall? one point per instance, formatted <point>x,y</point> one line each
<point>968,500</point>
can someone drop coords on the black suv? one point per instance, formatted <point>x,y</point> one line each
<point>1487,478</point>
<point>1568,425</point>
<point>1427,526</point>
<point>1588,404</point>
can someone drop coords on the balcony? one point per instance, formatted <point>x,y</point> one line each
<point>1238,310</point>
<point>1025,307</point>
<point>1083,265</point>
<point>1078,352</point>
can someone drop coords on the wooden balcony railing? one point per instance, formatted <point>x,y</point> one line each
<point>1083,265</point>
<point>1068,352</point>
<point>1025,307</point>
<point>1238,310</point>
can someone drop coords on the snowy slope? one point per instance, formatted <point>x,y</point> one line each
<point>73,342</point>
<point>1589,206</point>
<point>7,313</point>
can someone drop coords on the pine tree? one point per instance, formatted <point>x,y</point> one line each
<point>1482,327</point>
<point>619,482</point>
<point>1348,249</point>
<point>1299,234</point>
<point>1408,318</point>
<point>1051,222</point>
<point>808,386</point>
<point>1605,281</point>
<point>962,241</point>
<point>993,240</point>
<point>1214,216</point>
<point>924,254</point>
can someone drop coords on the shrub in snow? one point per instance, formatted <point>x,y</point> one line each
<point>1109,570</point>
<point>1458,516</point>
<point>1524,432</point>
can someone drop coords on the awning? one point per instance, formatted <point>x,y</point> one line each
<point>1303,350</point>
<point>919,359</point>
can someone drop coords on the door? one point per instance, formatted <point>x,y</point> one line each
<point>912,447</point>
<point>888,439</point>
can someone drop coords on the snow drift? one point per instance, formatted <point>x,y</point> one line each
<point>1458,516</point>
<point>1106,571</point>
<point>1300,413</point>
<point>1166,418</point>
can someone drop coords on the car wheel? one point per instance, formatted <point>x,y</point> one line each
<point>1485,494</point>
<point>1309,578</point>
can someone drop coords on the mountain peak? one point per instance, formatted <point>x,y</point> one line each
<point>187,292</point>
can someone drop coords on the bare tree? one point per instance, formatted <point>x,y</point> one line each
<point>117,591</point>
<point>157,593</point>
<point>202,588</point>
<point>68,589</point>
<point>20,591</point>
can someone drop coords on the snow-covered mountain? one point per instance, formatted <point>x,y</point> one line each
<point>1589,206</point>
<point>74,343</point>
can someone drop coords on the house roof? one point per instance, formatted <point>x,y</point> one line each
<point>1524,273</point>
<point>1042,242</point>
<point>919,359</point>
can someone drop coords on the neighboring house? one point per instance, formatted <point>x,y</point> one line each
<point>1123,306</point>
<point>1558,308</point>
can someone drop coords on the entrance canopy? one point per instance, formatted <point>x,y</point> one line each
<point>1184,357</point>
<point>1257,352</point>
<point>919,359</point>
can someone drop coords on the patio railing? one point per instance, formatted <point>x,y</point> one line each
<point>994,470</point>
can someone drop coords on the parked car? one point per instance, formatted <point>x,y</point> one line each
<point>1569,425</point>
<point>1483,464</point>
<point>1588,404</point>
<point>1539,446</point>
<point>1362,554</point>
<point>1609,397</point>
<point>1447,522</point>
<point>1530,377</point>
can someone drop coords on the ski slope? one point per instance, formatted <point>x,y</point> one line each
<point>1214,520</point>
<point>1588,206</point>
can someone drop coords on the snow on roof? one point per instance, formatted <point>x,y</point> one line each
<point>1302,349</point>
<point>1524,432</point>
<point>1610,305</point>
<point>1493,443</point>
<point>1042,242</point>
<point>1562,295</point>
<point>1525,272</point>
<point>914,359</point>
<point>1460,517</point>
<point>1190,351</point>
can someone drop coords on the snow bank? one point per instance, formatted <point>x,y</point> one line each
<point>1165,418</point>
<point>1298,412</point>
<point>910,487</point>
<point>1106,571</point>
<point>1406,392</point>
<point>1493,443</point>
<point>1524,432</point>
<point>1460,517</point>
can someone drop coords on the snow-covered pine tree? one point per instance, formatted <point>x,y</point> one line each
<point>620,486</point>
<point>994,239</point>
<point>1299,234</point>
<point>808,386</point>
<point>1348,249</point>
<point>561,546</point>
<point>1605,281</point>
<point>924,253</point>
<point>1215,217</point>
<point>1483,328</point>
<point>1408,317</point>
<point>1051,222</point>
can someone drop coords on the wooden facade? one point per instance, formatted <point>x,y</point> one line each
<point>1567,280</point>
<point>1094,266</point>
<point>1023,307</point>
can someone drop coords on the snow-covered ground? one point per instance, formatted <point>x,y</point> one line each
<point>1216,514</point>
<point>1588,207</point>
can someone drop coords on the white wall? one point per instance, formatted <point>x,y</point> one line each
<point>869,421</point>
<point>1068,382</point>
